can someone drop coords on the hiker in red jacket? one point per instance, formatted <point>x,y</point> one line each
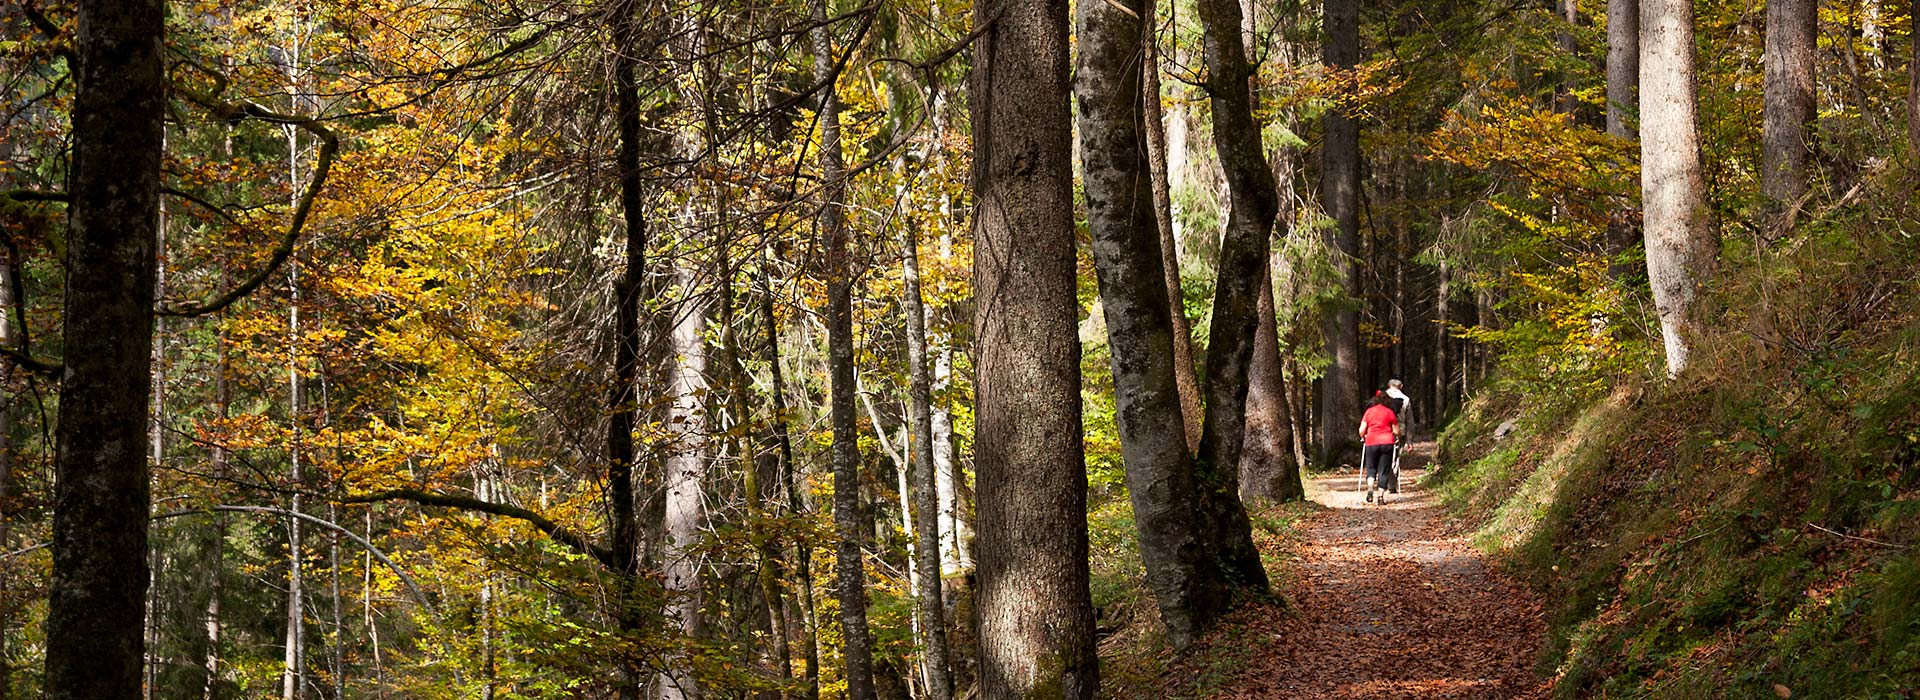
<point>1379,430</point>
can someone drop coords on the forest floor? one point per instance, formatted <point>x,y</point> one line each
<point>1382,602</point>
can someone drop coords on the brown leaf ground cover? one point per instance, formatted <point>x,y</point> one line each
<point>1381,602</point>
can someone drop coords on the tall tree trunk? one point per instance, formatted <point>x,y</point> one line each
<point>1034,609</point>
<point>628,289</point>
<point>1681,247</point>
<point>930,602</point>
<point>1441,336</point>
<point>99,583</point>
<point>1913,81</point>
<point>1623,100</point>
<point>686,465</point>
<point>759,466</point>
<point>1242,263</point>
<point>1340,185</point>
<point>1127,254</point>
<point>1788,112</point>
<point>1267,467</point>
<point>850,568</point>
<point>789,483</point>
<point>1185,377</point>
<point>1565,101</point>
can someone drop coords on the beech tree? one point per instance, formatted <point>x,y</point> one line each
<point>96,612</point>
<point>1681,246</point>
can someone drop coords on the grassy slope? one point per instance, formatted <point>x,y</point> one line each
<point>1751,529</point>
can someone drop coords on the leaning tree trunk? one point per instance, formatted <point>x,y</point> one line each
<point>98,591</point>
<point>1242,263</point>
<point>1185,379</point>
<point>1034,609</point>
<point>1623,100</point>
<point>790,485</point>
<point>1680,245</point>
<point>1787,113</point>
<point>1340,185</point>
<point>1127,256</point>
<point>857,649</point>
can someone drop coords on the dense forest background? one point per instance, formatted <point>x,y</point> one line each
<point>555,348</point>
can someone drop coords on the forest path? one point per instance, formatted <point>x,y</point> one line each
<point>1388,602</point>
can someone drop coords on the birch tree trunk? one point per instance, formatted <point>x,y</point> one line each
<point>857,652</point>
<point>1680,245</point>
<point>100,507</point>
<point>1035,612</point>
<point>1788,111</point>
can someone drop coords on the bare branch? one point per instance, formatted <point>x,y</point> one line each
<point>558,532</point>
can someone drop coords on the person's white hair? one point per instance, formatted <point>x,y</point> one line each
<point>1395,383</point>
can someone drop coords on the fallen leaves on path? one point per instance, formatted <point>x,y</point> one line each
<point>1384,602</point>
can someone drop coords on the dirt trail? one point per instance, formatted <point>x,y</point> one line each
<point>1389,602</point>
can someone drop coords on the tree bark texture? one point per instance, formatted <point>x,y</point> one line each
<point>1340,186</point>
<point>929,601</point>
<point>1913,83</point>
<point>98,589</point>
<point>622,406</point>
<point>1127,252</point>
<point>1267,469</point>
<point>1788,112</point>
<point>686,464</point>
<point>1035,613</point>
<point>1681,248</point>
<point>1242,263</point>
<point>850,567</point>
<point>1623,100</point>
<point>1185,377</point>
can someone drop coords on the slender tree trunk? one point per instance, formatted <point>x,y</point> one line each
<point>929,601</point>
<point>1913,81</point>
<point>1441,335</point>
<point>1681,247</point>
<point>1788,113</point>
<point>1128,256</point>
<point>1242,264</point>
<point>1623,100</point>
<point>9,337</point>
<point>99,583</point>
<point>759,470</point>
<point>1035,612</point>
<point>1185,378</point>
<point>850,565</point>
<point>789,483</point>
<point>628,288</point>
<point>1340,185</point>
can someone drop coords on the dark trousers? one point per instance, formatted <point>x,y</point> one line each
<point>1377,460</point>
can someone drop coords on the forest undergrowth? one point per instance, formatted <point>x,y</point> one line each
<point>1747,529</point>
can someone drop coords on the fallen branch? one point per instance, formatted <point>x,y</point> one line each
<point>1857,538</point>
